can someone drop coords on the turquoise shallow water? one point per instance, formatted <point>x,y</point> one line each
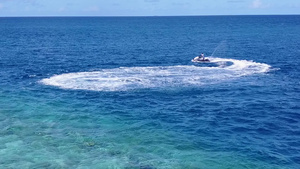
<point>58,137</point>
<point>123,92</point>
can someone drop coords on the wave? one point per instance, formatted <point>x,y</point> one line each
<point>129,78</point>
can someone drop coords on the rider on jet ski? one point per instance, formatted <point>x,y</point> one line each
<point>201,57</point>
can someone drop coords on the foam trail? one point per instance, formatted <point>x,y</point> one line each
<point>128,78</point>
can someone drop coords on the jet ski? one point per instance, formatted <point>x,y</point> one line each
<point>200,59</point>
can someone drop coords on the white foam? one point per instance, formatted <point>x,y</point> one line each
<point>128,78</point>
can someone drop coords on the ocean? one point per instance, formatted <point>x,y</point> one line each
<point>122,92</point>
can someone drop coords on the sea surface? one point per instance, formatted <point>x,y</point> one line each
<point>122,92</point>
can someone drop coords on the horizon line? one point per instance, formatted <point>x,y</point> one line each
<point>33,16</point>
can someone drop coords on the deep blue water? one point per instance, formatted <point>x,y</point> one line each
<point>122,92</point>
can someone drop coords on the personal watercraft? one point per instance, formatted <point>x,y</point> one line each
<point>200,59</point>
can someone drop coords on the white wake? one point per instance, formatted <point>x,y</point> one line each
<point>128,78</point>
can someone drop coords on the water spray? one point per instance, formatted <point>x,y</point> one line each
<point>222,45</point>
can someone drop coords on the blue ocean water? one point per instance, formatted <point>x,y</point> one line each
<point>122,92</point>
